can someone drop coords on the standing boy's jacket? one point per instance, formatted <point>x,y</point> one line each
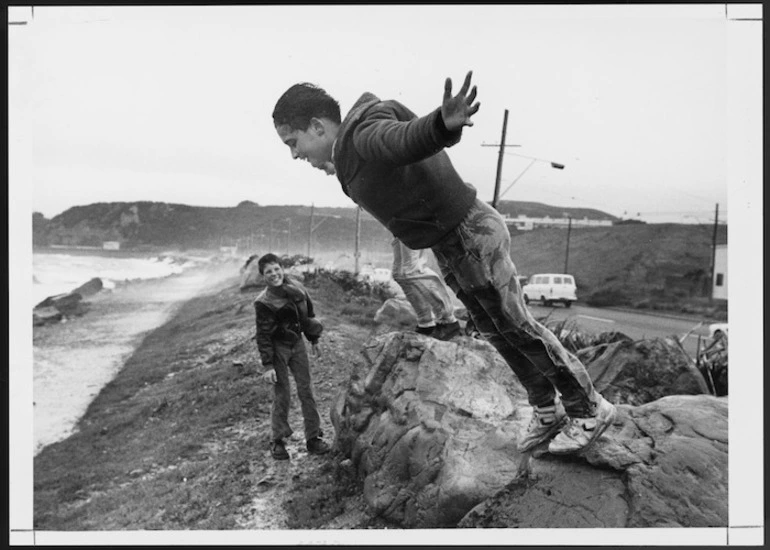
<point>283,314</point>
<point>393,164</point>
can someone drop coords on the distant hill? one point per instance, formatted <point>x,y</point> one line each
<point>155,224</point>
<point>639,259</point>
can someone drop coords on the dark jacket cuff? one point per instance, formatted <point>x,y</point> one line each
<point>451,137</point>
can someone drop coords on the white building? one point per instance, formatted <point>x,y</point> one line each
<point>111,245</point>
<point>719,283</point>
<point>526,223</point>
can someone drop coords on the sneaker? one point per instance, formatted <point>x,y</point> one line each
<point>471,330</point>
<point>278,450</point>
<point>447,331</point>
<point>545,423</point>
<point>317,446</point>
<point>580,433</point>
<point>427,331</point>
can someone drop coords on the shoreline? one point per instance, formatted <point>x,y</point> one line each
<point>75,359</point>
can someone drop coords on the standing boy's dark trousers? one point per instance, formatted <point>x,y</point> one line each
<point>293,358</point>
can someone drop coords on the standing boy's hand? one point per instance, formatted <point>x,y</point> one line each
<point>270,376</point>
<point>315,350</point>
<point>458,110</point>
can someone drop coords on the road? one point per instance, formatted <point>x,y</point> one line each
<point>636,325</point>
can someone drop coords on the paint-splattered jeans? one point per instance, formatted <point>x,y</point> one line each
<point>293,358</point>
<point>476,263</point>
<point>423,287</point>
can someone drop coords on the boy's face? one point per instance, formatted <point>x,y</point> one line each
<point>313,145</point>
<point>273,274</point>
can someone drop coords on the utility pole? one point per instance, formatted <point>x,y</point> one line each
<point>310,229</point>
<point>288,237</point>
<point>502,145</point>
<point>271,236</point>
<point>500,161</point>
<point>714,254</point>
<point>357,252</point>
<point>566,256</point>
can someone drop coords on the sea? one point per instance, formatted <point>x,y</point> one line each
<point>74,359</point>
<point>56,272</point>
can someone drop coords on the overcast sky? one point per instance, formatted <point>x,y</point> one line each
<point>174,103</point>
<point>654,109</point>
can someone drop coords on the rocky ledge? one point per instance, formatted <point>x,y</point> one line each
<point>431,428</point>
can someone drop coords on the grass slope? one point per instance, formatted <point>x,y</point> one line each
<point>179,439</point>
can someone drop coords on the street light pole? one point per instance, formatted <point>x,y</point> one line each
<point>714,255</point>
<point>533,160</point>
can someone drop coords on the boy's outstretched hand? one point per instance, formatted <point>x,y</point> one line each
<point>458,110</point>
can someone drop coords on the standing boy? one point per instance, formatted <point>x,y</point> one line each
<point>284,313</point>
<point>393,164</point>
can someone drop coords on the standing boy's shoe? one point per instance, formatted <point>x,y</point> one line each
<point>545,423</point>
<point>447,331</point>
<point>278,450</point>
<point>317,446</point>
<point>580,433</point>
<point>426,331</point>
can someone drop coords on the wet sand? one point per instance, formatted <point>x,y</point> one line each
<point>73,360</point>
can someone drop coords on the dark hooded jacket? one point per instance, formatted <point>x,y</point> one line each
<point>283,314</point>
<point>393,165</point>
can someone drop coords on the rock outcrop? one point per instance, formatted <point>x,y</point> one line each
<point>396,312</point>
<point>663,464</point>
<point>638,372</point>
<point>250,276</point>
<point>431,427</point>
<point>57,308</point>
<point>94,286</point>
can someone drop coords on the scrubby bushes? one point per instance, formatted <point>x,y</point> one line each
<point>350,284</point>
<point>608,297</point>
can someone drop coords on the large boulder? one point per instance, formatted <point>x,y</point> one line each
<point>638,372</point>
<point>69,304</point>
<point>432,427</point>
<point>396,312</point>
<point>90,288</point>
<point>250,276</point>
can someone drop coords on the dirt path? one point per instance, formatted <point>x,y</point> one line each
<point>303,484</point>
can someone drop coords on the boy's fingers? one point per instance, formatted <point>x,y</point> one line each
<point>466,84</point>
<point>447,89</point>
<point>472,96</point>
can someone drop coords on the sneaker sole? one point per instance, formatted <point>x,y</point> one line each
<point>597,434</point>
<point>556,428</point>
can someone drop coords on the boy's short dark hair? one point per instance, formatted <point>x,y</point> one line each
<point>302,102</point>
<point>268,258</point>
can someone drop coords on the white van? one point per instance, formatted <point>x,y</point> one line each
<point>550,287</point>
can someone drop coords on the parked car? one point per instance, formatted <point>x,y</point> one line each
<point>717,330</point>
<point>549,288</point>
